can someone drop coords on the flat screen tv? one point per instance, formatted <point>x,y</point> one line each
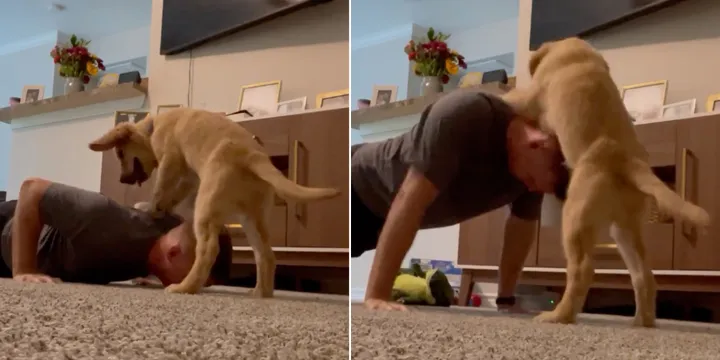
<point>559,19</point>
<point>187,24</point>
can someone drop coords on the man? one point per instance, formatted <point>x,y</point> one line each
<point>469,154</point>
<point>55,232</point>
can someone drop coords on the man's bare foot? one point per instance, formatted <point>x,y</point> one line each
<point>377,304</point>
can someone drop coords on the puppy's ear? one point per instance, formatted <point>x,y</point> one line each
<point>537,57</point>
<point>119,134</point>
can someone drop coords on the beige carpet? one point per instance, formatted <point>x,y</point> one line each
<point>64,321</point>
<point>474,334</point>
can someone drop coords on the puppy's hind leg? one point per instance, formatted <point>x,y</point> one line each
<point>628,237</point>
<point>255,227</point>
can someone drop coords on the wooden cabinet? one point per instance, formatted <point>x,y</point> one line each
<point>320,158</point>
<point>481,240</point>
<point>684,154</point>
<point>698,154</point>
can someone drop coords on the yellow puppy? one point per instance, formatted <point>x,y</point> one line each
<point>574,97</point>
<point>204,153</point>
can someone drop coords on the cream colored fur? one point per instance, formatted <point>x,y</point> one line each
<point>207,155</point>
<point>574,97</point>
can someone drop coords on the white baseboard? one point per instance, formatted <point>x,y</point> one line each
<point>357,294</point>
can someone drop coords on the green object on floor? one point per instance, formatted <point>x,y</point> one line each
<point>417,287</point>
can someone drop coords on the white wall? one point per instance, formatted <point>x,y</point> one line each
<point>307,50</point>
<point>58,152</point>
<point>25,62</point>
<point>126,45</point>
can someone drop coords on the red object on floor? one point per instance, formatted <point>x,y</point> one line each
<point>475,300</point>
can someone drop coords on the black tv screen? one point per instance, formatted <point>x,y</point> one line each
<point>187,24</point>
<point>559,19</point>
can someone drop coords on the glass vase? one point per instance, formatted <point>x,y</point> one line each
<point>73,85</point>
<point>431,85</point>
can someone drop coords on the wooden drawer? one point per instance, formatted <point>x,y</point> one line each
<point>660,141</point>
<point>277,227</point>
<point>658,240</point>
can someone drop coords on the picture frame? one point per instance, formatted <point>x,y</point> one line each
<point>713,103</point>
<point>260,97</point>
<point>292,106</point>
<point>644,101</point>
<point>679,109</point>
<point>127,115</point>
<point>164,108</point>
<point>32,93</point>
<point>336,98</point>
<point>383,94</point>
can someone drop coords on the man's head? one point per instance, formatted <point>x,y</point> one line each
<point>174,253</point>
<point>534,157</point>
<point>132,147</point>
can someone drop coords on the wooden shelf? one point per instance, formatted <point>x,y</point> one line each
<point>411,106</point>
<point>11,115</point>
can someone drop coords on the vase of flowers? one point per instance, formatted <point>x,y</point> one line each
<point>77,64</point>
<point>434,61</point>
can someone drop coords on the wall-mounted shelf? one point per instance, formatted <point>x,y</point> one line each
<point>409,107</point>
<point>65,107</point>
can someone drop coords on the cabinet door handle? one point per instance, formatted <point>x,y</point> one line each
<point>296,149</point>
<point>606,246</point>
<point>683,174</point>
<point>299,208</point>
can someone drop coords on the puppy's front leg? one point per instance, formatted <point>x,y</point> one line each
<point>165,191</point>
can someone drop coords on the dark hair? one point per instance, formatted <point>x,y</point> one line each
<point>220,272</point>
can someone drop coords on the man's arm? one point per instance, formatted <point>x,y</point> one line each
<point>401,225</point>
<point>27,226</point>
<point>520,233</point>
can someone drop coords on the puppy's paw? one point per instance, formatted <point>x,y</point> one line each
<point>553,317</point>
<point>259,293</point>
<point>640,321</point>
<point>178,289</point>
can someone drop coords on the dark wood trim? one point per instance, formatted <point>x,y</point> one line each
<point>290,258</point>
<point>687,283</point>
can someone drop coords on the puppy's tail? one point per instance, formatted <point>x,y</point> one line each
<point>286,189</point>
<point>640,173</point>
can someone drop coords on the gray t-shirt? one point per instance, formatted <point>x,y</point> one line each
<point>90,238</point>
<point>459,144</point>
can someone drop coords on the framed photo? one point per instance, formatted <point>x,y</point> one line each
<point>132,116</point>
<point>32,93</point>
<point>260,97</point>
<point>713,103</point>
<point>679,109</point>
<point>292,106</point>
<point>383,94</point>
<point>337,98</point>
<point>165,108</point>
<point>645,101</point>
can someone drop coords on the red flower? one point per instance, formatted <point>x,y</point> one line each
<point>411,56</point>
<point>86,79</point>
<point>462,63</point>
<point>100,65</point>
<point>445,78</point>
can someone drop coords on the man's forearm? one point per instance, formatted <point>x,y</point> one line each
<point>26,227</point>
<point>395,240</point>
<point>519,236</point>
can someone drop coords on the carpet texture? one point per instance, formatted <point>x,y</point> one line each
<point>64,321</point>
<point>472,334</point>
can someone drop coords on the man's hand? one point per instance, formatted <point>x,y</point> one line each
<point>379,304</point>
<point>401,226</point>
<point>36,278</point>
